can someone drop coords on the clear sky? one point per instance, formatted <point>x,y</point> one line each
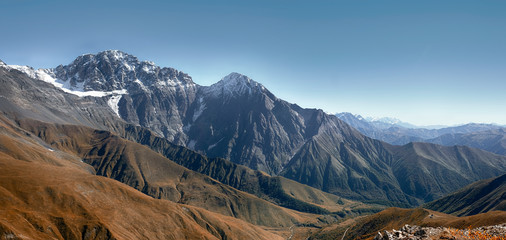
<point>424,62</point>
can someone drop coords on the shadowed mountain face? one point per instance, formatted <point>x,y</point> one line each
<point>479,197</point>
<point>238,119</point>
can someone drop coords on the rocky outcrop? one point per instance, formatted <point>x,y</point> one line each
<point>422,233</point>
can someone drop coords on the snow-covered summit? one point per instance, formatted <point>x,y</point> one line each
<point>235,84</point>
<point>388,120</point>
<point>113,70</point>
<point>109,72</point>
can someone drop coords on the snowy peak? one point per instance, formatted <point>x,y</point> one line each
<point>118,56</point>
<point>107,73</point>
<point>235,84</point>
<point>388,120</point>
<point>349,115</point>
<point>236,77</point>
<point>114,70</point>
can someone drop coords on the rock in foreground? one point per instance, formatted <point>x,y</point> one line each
<point>420,233</point>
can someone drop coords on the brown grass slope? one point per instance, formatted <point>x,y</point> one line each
<point>395,218</point>
<point>47,194</point>
<point>479,197</point>
<point>153,174</point>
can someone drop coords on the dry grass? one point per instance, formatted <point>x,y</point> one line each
<point>44,194</point>
<point>473,234</point>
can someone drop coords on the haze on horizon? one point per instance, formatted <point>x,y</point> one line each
<point>426,63</point>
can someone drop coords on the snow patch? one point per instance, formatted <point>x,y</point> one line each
<point>191,144</point>
<point>200,110</point>
<point>128,66</point>
<point>150,67</point>
<point>187,128</point>
<point>214,145</point>
<point>48,76</point>
<point>141,85</point>
<point>113,103</point>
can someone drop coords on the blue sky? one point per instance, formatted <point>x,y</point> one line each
<point>424,62</point>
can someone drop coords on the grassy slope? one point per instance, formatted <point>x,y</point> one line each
<point>395,218</point>
<point>159,177</point>
<point>49,194</point>
<point>482,196</point>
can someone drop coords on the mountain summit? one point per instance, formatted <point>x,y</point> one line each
<point>116,70</point>
<point>235,84</point>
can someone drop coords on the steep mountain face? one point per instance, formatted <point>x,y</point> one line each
<point>479,197</point>
<point>23,96</point>
<point>492,140</point>
<point>154,97</point>
<point>211,120</point>
<point>400,134</point>
<point>240,120</point>
<point>342,161</point>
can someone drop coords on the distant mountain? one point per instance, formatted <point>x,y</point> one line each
<point>398,134</point>
<point>385,122</point>
<point>240,120</point>
<point>479,197</point>
<point>491,140</point>
<point>389,133</point>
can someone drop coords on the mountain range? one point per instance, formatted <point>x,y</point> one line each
<point>232,148</point>
<point>489,137</point>
<point>240,120</point>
